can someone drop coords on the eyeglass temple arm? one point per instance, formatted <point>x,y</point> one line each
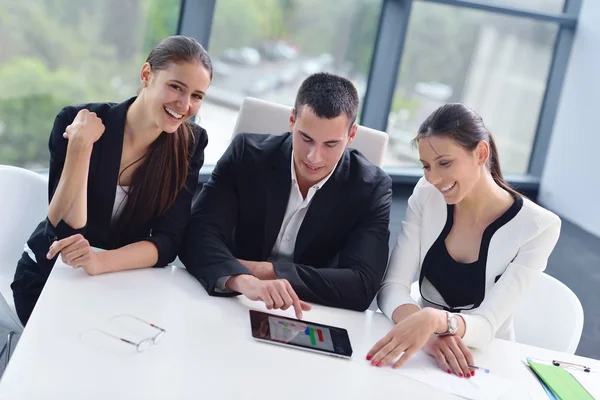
<point>141,320</point>
<point>116,337</point>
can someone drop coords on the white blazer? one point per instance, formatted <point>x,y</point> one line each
<point>519,251</point>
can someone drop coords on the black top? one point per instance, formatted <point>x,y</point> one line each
<point>164,231</point>
<point>462,285</point>
<point>341,250</point>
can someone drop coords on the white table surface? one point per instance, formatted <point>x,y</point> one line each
<point>208,351</point>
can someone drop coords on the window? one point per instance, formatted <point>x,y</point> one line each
<point>62,52</point>
<point>265,49</point>
<point>496,64</point>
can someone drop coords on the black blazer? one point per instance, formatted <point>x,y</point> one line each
<point>164,231</point>
<point>341,249</point>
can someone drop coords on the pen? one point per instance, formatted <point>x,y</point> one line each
<point>487,371</point>
<point>558,363</point>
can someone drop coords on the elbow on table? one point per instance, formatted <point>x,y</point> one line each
<point>363,302</point>
<point>165,255</point>
<point>481,336</point>
<point>481,342</point>
<point>357,305</point>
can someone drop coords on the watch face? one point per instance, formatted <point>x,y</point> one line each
<point>452,322</point>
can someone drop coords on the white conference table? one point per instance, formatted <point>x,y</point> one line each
<point>208,351</point>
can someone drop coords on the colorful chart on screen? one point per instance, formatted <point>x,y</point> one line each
<point>301,334</point>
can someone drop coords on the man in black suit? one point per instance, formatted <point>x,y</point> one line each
<point>295,217</point>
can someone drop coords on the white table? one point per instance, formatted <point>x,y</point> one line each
<point>207,351</point>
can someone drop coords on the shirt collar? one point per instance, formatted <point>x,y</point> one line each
<point>317,185</point>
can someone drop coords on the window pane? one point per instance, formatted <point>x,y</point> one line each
<point>265,48</point>
<point>548,6</point>
<point>496,64</point>
<point>62,52</point>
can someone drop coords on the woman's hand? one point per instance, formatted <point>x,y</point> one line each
<point>451,349</point>
<point>77,253</point>
<point>85,129</point>
<point>408,337</point>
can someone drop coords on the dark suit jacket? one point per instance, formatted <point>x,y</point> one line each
<point>341,249</point>
<point>164,231</point>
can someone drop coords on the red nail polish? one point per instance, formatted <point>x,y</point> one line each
<point>449,371</point>
<point>472,373</point>
<point>380,363</point>
<point>373,362</point>
<point>369,357</point>
<point>461,374</point>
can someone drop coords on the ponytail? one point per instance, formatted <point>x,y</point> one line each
<point>466,127</point>
<point>494,167</point>
<point>157,182</point>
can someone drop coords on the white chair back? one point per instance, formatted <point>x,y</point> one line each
<point>260,116</point>
<point>23,205</point>
<point>549,315</point>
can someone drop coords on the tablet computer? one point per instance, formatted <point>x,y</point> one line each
<point>299,334</point>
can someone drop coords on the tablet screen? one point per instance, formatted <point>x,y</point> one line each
<point>302,334</point>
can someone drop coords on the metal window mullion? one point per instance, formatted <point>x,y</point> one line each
<point>554,84</point>
<point>195,20</point>
<point>385,63</point>
<point>567,19</point>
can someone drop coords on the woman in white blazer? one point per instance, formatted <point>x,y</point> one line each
<point>475,244</point>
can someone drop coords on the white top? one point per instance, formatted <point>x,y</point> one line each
<point>65,362</point>
<point>519,251</point>
<point>120,201</point>
<point>296,210</point>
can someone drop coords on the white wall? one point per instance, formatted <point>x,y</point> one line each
<point>570,182</point>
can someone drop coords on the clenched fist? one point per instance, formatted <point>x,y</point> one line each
<point>85,129</point>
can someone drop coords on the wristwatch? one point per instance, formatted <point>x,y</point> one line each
<point>452,325</point>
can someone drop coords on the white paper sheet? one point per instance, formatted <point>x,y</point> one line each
<point>482,386</point>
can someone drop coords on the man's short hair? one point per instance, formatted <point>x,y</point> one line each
<point>329,96</point>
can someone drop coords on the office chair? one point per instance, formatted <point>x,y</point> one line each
<point>23,204</point>
<point>260,116</point>
<point>549,315</point>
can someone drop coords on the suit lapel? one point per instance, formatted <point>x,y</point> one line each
<point>109,163</point>
<point>277,184</point>
<point>320,210</point>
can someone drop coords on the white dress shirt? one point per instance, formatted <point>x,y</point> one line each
<point>518,251</point>
<point>296,210</point>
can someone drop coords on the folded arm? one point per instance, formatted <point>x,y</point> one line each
<point>354,282</point>
<point>214,215</point>
<point>394,298</point>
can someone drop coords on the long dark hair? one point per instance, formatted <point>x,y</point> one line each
<point>157,182</point>
<point>466,128</point>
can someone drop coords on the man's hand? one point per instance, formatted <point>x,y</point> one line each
<point>260,269</point>
<point>276,294</point>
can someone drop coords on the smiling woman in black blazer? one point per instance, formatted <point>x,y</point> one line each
<point>122,176</point>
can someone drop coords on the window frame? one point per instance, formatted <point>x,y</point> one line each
<point>196,21</point>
